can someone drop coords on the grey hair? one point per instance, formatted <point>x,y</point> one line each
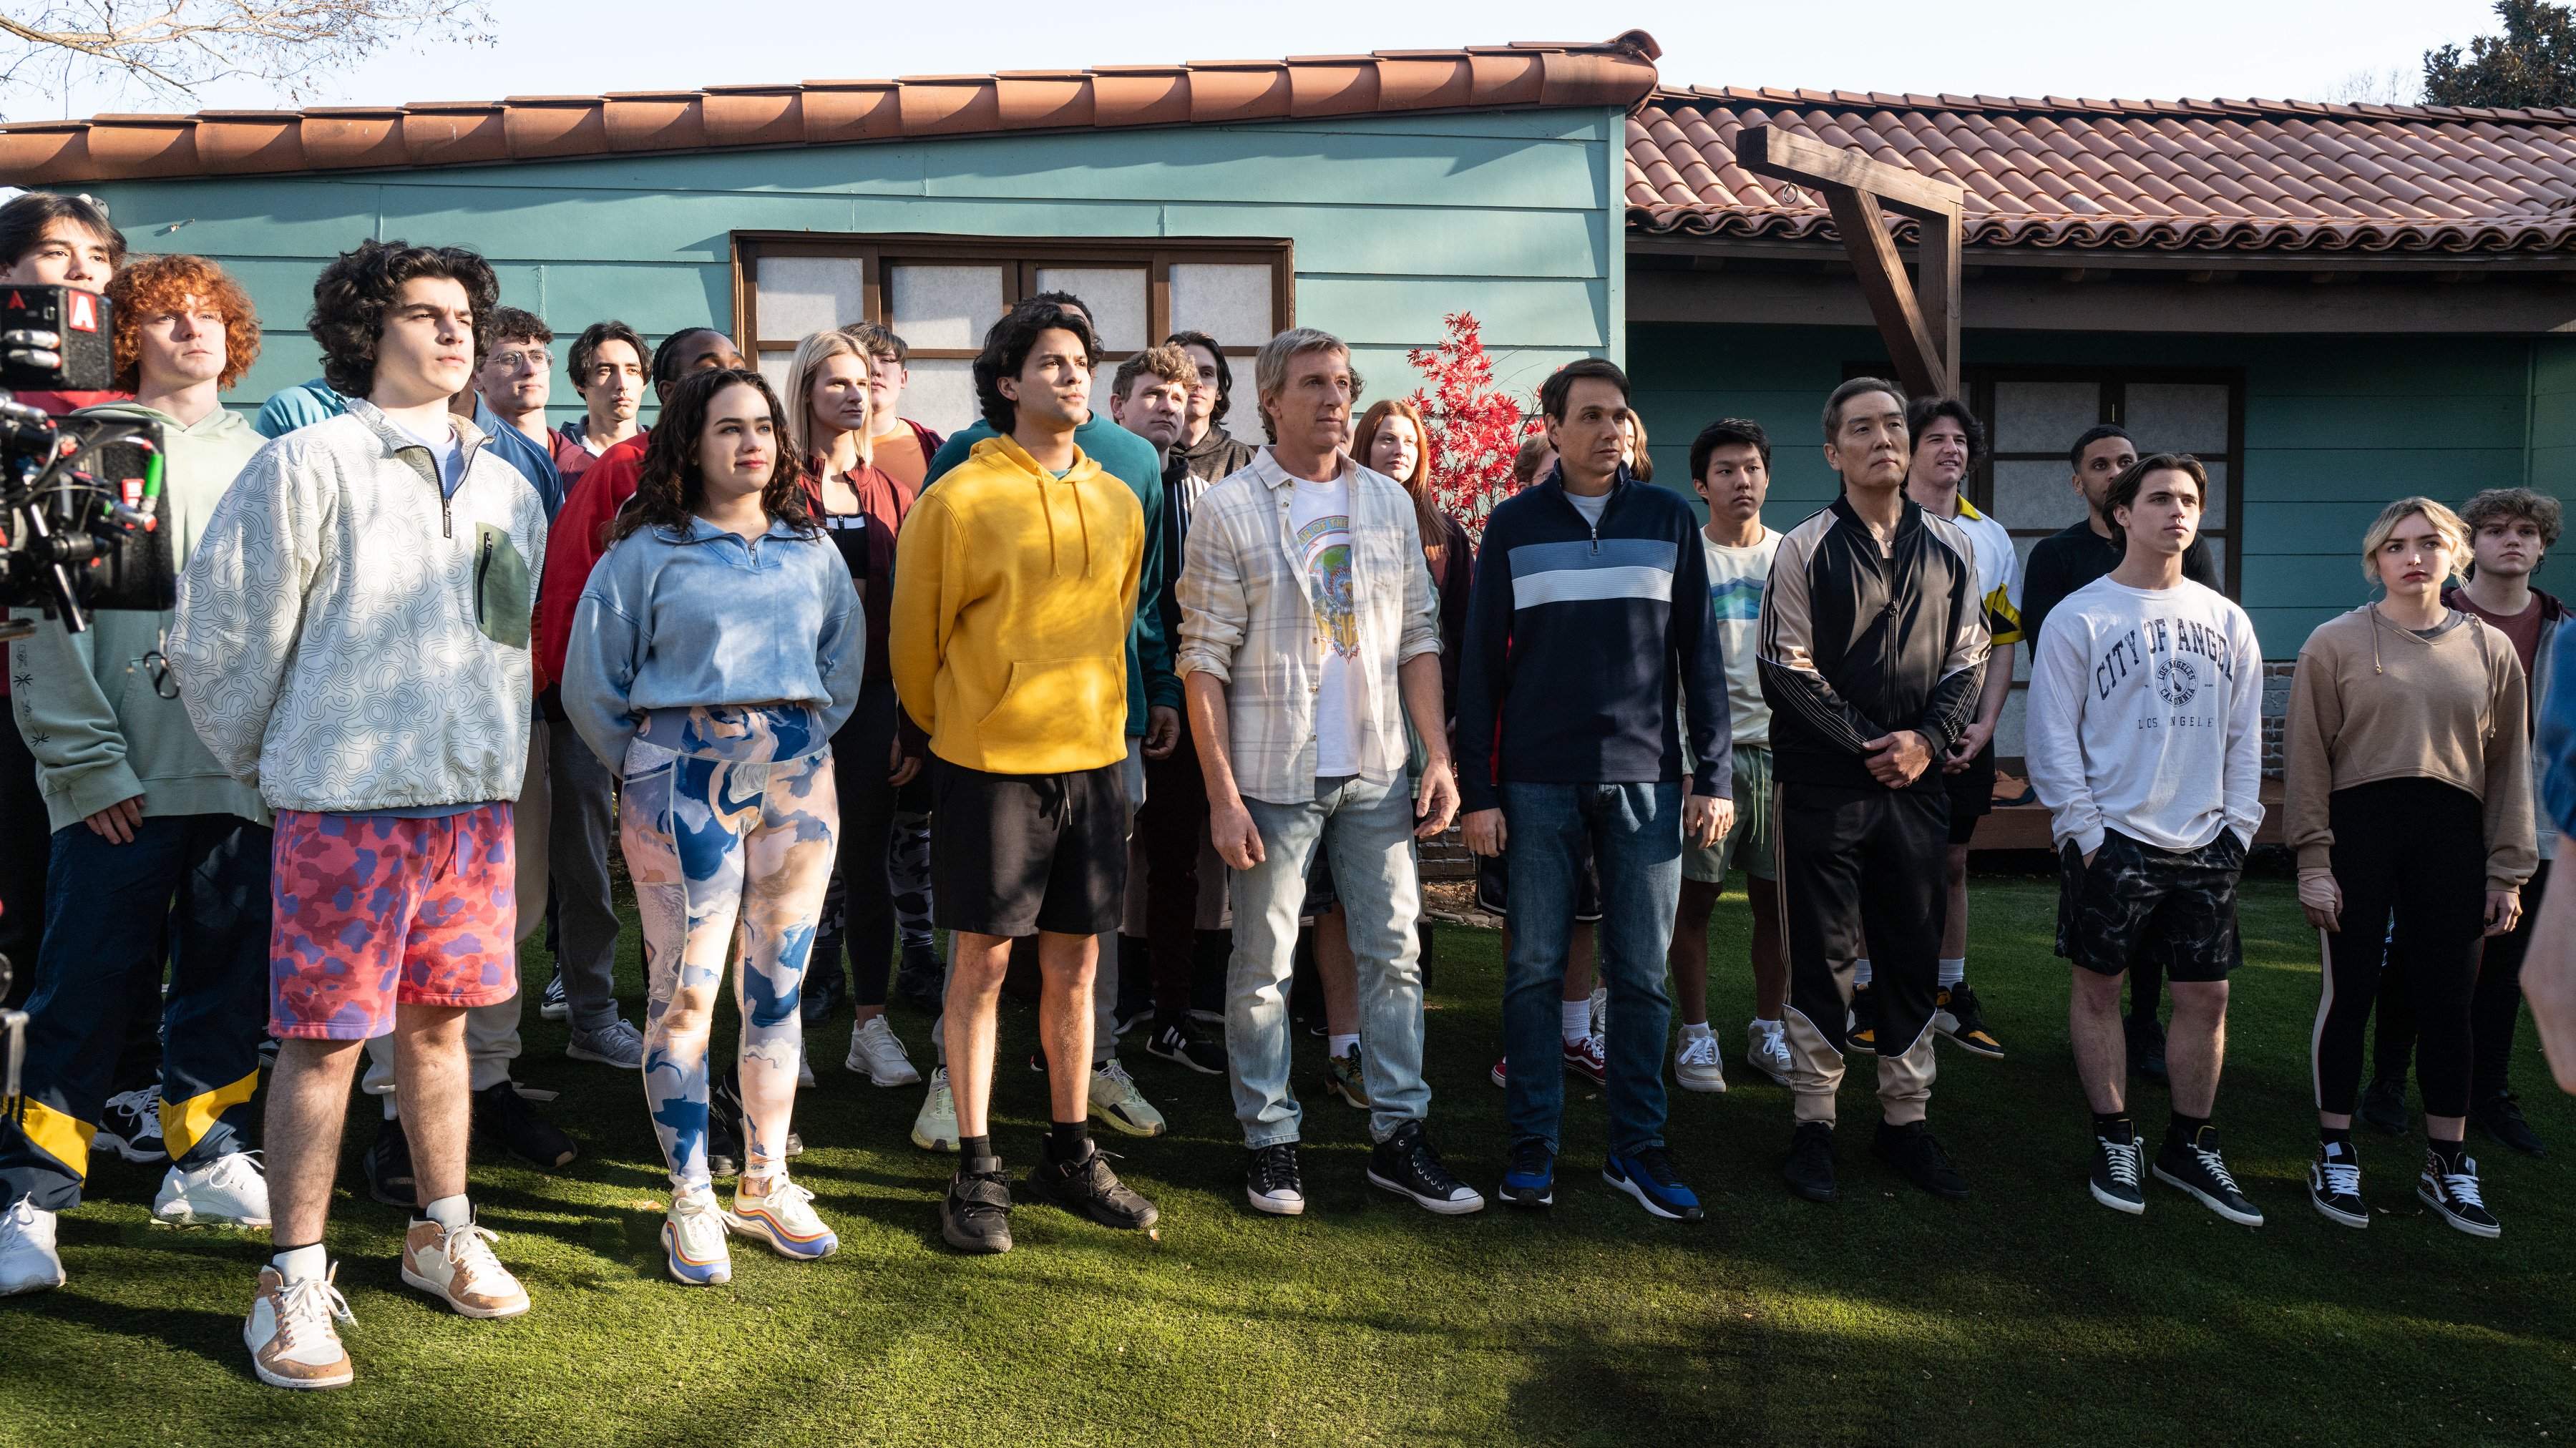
<point>1270,368</point>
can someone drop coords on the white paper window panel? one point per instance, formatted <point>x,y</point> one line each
<point>943,306</point>
<point>1229,301</point>
<point>1114,295</point>
<point>805,294</point>
<point>774,365</point>
<point>2178,416</point>
<point>2036,494</point>
<point>2044,416</point>
<point>941,395</point>
<point>2214,507</point>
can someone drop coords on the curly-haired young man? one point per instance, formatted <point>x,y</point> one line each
<point>157,855</point>
<point>353,634</point>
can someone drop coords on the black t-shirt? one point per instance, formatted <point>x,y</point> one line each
<point>849,533</point>
<point>2074,556</point>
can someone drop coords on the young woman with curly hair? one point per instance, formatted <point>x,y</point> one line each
<point>716,650</point>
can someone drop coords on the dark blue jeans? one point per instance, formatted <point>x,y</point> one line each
<point>197,884</point>
<point>1635,831</point>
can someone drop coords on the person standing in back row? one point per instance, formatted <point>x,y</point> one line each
<point>2146,743</point>
<point>2409,798</point>
<point>1873,651</point>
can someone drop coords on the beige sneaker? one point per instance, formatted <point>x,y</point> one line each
<point>289,1333</point>
<point>457,1267</point>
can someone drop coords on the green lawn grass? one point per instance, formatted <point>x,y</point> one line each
<point>2028,1315</point>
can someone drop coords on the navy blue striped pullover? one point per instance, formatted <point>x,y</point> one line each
<point>1580,640</point>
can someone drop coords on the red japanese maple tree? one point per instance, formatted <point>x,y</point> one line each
<point>1475,426</point>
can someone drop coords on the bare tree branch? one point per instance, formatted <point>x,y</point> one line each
<point>170,48</point>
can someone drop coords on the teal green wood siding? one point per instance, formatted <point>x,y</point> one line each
<point>2335,427</point>
<point>1516,216</point>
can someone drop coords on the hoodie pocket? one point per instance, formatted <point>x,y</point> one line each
<point>502,589</point>
<point>1053,698</point>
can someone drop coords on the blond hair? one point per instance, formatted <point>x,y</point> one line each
<point>798,401</point>
<point>1270,366</point>
<point>2454,533</point>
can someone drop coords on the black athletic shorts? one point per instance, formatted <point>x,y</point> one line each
<point>1972,794</point>
<point>1494,888</point>
<point>1011,854</point>
<point>2137,902</point>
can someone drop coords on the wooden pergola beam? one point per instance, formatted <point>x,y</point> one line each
<point>1920,323</point>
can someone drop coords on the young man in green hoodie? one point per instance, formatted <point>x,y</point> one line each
<point>156,850</point>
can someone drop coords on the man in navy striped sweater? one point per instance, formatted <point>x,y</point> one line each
<point>1588,624</point>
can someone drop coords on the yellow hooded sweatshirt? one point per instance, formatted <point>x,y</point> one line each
<point>1013,594</point>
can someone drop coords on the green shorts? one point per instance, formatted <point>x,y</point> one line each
<point>1748,845</point>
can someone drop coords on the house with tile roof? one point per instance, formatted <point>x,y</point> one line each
<point>2333,305</point>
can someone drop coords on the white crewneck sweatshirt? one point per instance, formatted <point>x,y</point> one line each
<point>2146,716</point>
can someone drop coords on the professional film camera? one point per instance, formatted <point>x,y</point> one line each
<point>83,520</point>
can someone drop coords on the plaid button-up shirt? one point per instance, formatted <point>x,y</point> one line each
<point>1247,620</point>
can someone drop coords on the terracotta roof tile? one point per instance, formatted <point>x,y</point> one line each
<point>2187,175</point>
<point>1617,72</point>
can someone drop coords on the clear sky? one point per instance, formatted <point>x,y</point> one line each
<point>2165,50</point>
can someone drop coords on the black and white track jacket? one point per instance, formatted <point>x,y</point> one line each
<point>1859,641</point>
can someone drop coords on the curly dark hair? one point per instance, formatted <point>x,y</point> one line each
<point>668,485</point>
<point>1224,374</point>
<point>1922,412</point>
<point>1006,351</point>
<point>351,297</point>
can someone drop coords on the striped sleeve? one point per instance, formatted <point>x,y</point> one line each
<point>1791,682</point>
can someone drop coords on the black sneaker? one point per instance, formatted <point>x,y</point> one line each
<point>2194,1166</point>
<point>2146,1048</point>
<point>1407,1165</point>
<point>2115,1173</point>
<point>1863,1032</point>
<point>1648,1176</point>
<point>1087,1187</point>
<point>1271,1181</point>
<point>1914,1151</point>
<point>1180,1041</point>
<point>2452,1190</point>
<point>2334,1184</point>
<point>1530,1181</point>
<point>922,980</point>
<point>1810,1172</point>
<point>975,1216</point>
<point>552,1006</point>
<point>727,1123</point>
<point>387,1163</point>
<point>823,992</point>
<point>131,1127</point>
<point>2500,1117</point>
<point>1960,1023</point>
<point>2383,1106</point>
<point>506,1119</point>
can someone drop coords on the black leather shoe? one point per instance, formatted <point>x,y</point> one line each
<point>1810,1172</point>
<point>387,1164</point>
<point>506,1119</point>
<point>2500,1117</point>
<point>1911,1149</point>
<point>2383,1106</point>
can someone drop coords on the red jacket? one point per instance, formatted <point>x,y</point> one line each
<point>574,545</point>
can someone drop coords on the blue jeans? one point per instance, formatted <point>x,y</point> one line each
<point>1636,836</point>
<point>1369,828</point>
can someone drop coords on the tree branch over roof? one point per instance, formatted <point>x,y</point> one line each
<point>172,47</point>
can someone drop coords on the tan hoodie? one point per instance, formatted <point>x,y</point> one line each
<point>2373,701</point>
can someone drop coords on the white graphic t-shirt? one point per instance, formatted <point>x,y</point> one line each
<point>1319,519</point>
<point>1736,578</point>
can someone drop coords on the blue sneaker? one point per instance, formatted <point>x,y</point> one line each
<point>1648,1176</point>
<point>1531,1179</point>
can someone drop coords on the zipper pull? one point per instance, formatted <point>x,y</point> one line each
<point>446,516</point>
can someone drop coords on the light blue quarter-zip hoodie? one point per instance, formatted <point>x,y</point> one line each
<point>671,620</point>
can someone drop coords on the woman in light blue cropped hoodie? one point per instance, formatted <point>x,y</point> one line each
<point>717,646</point>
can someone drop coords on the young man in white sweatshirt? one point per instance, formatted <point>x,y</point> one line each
<point>2145,743</point>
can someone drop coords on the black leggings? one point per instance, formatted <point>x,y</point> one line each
<point>864,920</point>
<point>2414,849</point>
<point>2495,1007</point>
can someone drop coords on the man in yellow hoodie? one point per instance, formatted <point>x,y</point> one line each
<point>1015,585</point>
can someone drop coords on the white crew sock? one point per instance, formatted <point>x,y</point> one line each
<point>393,1107</point>
<point>1694,1029</point>
<point>1574,1019</point>
<point>1953,972</point>
<point>1341,1046</point>
<point>449,1212</point>
<point>298,1263</point>
<point>1860,971</point>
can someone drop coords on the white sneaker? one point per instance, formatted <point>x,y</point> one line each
<point>28,1262</point>
<point>876,1052</point>
<point>804,1069</point>
<point>289,1333</point>
<point>616,1044</point>
<point>1695,1065</point>
<point>1115,1099</point>
<point>1600,1010</point>
<point>785,1219</point>
<point>1766,1049</point>
<point>231,1193</point>
<point>935,1129</point>
<point>693,1239</point>
<point>456,1266</point>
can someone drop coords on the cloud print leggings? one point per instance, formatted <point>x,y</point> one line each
<point>727,820</point>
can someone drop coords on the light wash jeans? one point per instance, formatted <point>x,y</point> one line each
<point>1636,836</point>
<point>1370,830</point>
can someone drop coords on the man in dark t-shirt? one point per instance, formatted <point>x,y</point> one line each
<point>2082,552</point>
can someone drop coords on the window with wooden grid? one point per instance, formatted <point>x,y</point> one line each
<point>941,293</point>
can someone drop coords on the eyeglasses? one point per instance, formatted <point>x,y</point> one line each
<point>524,361</point>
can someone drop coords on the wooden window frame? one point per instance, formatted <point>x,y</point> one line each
<point>1020,258</point>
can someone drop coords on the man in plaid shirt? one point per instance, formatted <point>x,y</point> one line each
<point>1306,615</point>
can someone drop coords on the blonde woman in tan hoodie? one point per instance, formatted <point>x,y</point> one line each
<point>2409,796</point>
